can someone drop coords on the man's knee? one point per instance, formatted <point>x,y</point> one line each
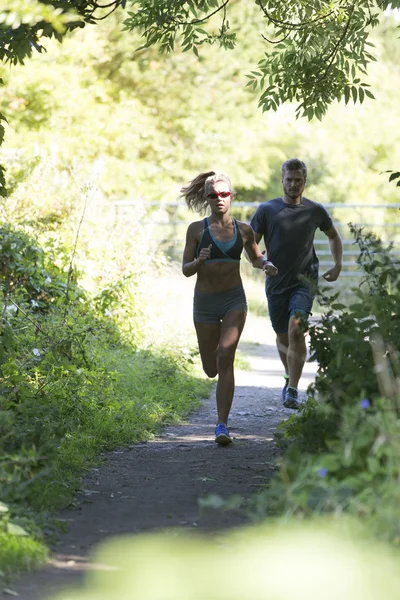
<point>296,330</point>
<point>298,320</point>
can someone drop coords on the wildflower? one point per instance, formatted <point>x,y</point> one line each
<point>36,351</point>
<point>365,403</point>
<point>322,472</point>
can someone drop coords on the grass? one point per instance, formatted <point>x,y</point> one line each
<point>19,553</point>
<point>149,390</point>
<point>140,392</point>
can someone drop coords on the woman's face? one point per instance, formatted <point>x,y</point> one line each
<point>219,197</point>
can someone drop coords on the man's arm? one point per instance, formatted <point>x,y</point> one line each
<point>336,247</point>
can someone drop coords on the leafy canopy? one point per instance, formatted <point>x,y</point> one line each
<point>23,23</point>
<point>316,51</point>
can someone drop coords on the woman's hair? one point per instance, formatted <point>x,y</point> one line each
<point>195,192</point>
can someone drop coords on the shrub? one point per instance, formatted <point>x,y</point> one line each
<point>342,450</point>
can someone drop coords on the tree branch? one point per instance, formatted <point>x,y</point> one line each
<point>276,41</point>
<point>291,26</point>
<point>195,21</point>
<point>335,50</point>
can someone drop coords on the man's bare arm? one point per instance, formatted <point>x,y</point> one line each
<point>336,247</point>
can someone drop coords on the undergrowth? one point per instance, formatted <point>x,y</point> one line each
<point>71,387</point>
<point>341,451</point>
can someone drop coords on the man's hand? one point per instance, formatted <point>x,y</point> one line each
<point>270,269</point>
<point>333,273</point>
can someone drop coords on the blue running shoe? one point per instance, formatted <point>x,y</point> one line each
<point>285,387</point>
<point>222,436</point>
<point>291,399</point>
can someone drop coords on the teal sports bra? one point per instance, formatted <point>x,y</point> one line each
<point>221,251</point>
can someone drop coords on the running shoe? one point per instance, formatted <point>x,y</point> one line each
<point>291,399</point>
<point>222,436</point>
<point>285,387</point>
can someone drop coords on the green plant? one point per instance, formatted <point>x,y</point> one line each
<point>342,451</point>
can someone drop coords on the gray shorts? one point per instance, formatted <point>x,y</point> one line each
<point>211,307</point>
<point>283,306</point>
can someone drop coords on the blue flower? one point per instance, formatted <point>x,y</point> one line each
<point>365,403</point>
<point>322,472</point>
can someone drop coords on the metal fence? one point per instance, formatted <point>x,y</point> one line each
<point>169,220</point>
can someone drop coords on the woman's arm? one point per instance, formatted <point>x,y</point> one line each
<point>257,259</point>
<point>191,264</point>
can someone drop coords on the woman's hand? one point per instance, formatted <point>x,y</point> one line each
<point>205,253</point>
<point>270,269</point>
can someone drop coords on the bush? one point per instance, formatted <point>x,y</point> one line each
<point>342,450</point>
<point>71,386</point>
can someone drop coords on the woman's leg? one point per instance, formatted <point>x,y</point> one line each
<point>231,329</point>
<point>208,335</point>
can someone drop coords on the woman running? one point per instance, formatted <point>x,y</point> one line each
<point>212,251</point>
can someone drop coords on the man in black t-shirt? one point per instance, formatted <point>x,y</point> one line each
<point>288,225</point>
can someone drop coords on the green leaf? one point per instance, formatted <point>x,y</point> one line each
<point>15,529</point>
<point>3,508</point>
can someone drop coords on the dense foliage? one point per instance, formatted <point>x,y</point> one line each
<point>94,121</point>
<point>314,51</point>
<point>342,452</point>
<point>71,385</point>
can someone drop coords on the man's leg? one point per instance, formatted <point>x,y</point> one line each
<point>282,344</point>
<point>278,308</point>
<point>300,305</point>
<point>297,352</point>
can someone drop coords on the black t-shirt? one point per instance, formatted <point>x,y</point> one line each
<point>288,232</point>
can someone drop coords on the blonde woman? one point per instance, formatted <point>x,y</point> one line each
<point>212,252</point>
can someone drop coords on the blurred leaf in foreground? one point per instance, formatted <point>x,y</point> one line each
<point>307,562</point>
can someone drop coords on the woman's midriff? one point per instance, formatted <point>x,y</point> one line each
<point>218,276</point>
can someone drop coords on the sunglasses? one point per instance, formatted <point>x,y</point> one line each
<point>215,195</point>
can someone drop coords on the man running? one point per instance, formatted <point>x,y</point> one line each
<point>288,225</point>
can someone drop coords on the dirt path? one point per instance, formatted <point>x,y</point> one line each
<point>158,484</point>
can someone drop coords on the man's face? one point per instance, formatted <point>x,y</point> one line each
<point>293,182</point>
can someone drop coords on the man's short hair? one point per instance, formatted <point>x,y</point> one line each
<point>294,164</point>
